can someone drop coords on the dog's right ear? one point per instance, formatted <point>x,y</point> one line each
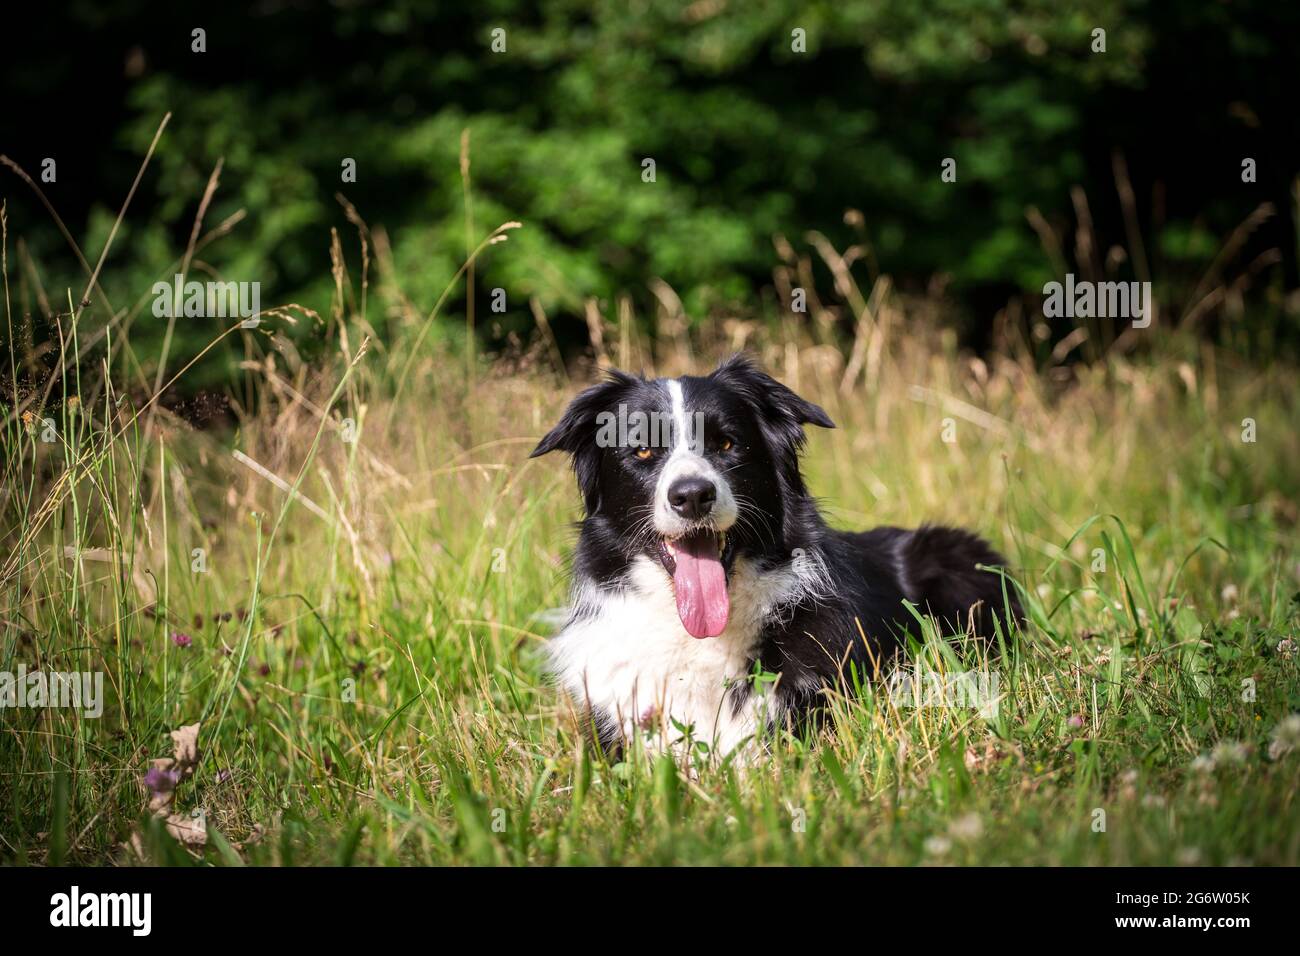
<point>577,426</point>
<point>575,433</point>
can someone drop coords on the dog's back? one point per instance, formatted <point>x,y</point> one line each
<point>948,573</point>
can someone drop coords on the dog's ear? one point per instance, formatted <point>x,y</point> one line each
<point>781,414</point>
<point>575,432</point>
<point>577,426</point>
<point>779,405</point>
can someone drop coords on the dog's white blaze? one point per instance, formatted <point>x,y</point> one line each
<point>626,654</point>
<point>679,415</point>
<point>684,462</point>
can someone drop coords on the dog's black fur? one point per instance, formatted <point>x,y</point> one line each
<point>812,643</point>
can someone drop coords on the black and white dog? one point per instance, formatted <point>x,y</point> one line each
<point>702,561</point>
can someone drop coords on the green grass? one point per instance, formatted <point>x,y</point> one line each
<point>366,617</point>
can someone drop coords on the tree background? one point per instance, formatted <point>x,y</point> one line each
<point>751,140</point>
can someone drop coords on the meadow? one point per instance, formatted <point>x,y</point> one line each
<point>348,592</point>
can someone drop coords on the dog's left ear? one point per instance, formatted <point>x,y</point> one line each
<point>779,405</point>
<point>781,417</point>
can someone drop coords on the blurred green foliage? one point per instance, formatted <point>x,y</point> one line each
<point>751,138</point>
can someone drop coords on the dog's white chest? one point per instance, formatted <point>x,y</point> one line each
<point>630,658</point>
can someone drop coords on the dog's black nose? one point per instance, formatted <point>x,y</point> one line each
<point>692,498</point>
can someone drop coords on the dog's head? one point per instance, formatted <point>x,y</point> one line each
<point>691,472</point>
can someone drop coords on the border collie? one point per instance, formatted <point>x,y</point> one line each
<point>702,563</point>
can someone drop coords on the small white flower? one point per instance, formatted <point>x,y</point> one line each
<point>1203,764</point>
<point>967,827</point>
<point>1230,751</point>
<point>1286,647</point>
<point>1189,856</point>
<point>1286,737</point>
<point>937,846</point>
<point>1229,594</point>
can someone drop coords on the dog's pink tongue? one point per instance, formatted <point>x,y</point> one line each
<point>701,586</point>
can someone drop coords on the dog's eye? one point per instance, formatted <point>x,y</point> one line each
<point>726,444</point>
<point>645,454</point>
